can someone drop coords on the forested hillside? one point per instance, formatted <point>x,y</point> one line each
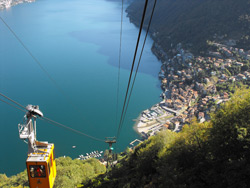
<point>210,154</point>
<point>193,22</point>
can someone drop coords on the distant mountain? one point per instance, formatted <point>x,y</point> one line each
<point>193,22</point>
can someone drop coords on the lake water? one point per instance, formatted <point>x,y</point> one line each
<point>77,42</point>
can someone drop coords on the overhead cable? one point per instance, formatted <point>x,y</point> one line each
<point>29,52</point>
<point>132,67</point>
<point>12,105</point>
<point>119,66</point>
<point>71,129</point>
<point>42,68</point>
<point>48,120</point>
<point>12,101</point>
<point>139,61</point>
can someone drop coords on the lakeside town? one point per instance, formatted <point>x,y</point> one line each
<point>5,4</point>
<point>193,87</point>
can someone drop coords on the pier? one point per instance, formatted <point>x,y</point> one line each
<point>136,140</point>
<point>93,154</point>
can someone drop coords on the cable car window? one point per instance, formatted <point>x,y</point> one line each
<point>37,171</point>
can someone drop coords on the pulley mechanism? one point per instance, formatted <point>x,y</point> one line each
<point>41,165</point>
<point>27,130</point>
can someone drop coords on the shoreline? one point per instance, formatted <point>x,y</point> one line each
<point>193,85</point>
<point>155,119</point>
<point>10,3</point>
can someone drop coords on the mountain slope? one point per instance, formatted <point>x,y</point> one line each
<point>212,154</point>
<point>193,22</point>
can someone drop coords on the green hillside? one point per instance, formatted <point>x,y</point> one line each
<point>211,154</point>
<point>70,173</point>
<point>193,22</point>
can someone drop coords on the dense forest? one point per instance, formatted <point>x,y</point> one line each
<point>193,22</point>
<point>209,154</point>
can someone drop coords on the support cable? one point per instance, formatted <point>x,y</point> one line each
<point>132,68</point>
<point>29,52</point>
<point>70,129</point>
<point>41,67</point>
<point>119,65</point>
<point>12,101</point>
<point>12,105</point>
<point>49,120</point>
<point>138,65</point>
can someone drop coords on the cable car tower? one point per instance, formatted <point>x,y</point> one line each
<point>110,141</point>
<point>41,166</point>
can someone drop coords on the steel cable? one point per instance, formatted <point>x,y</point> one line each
<point>152,13</point>
<point>132,68</point>
<point>49,120</point>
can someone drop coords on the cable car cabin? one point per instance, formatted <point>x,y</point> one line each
<point>41,167</point>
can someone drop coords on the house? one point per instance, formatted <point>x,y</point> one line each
<point>179,73</point>
<point>188,76</point>
<point>215,54</point>
<point>217,65</point>
<point>225,95</point>
<point>166,125</point>
<point>201,115</point>
<point>223,76</point>
<point>239,64</point>
<point>207,80</point>
<point>246,73</point>
<point>204,103</point>
<point>177,106</point>
<point>195,94</point>
<point>200,69</point>
<point>182,98</point>
<point>181,85</point>
<point>175,77</point>
<point>177,123</point>
<point>241,51</point>
<point>226,52</point>
<point>220,81</point>
<point>241,76</point>
<point>178,102</point>
<point>213,73</point>
<point>164,81</point>
<point>232,79</point>
<point>169,103</point>
<point>184,94</point>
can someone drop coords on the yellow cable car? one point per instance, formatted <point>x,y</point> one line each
<point>41,165</point>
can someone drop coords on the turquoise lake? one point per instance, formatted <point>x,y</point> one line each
<point>77,42</point>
